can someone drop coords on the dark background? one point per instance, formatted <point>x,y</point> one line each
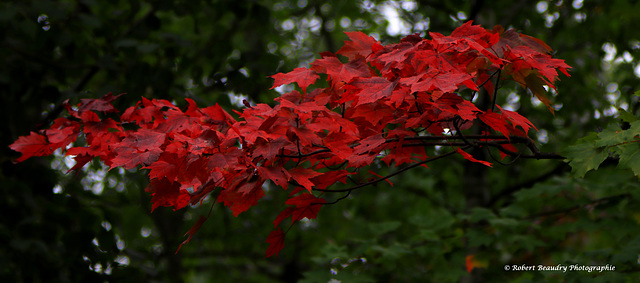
<point>97,226</point>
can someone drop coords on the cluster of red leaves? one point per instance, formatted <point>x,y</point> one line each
<point>377,99</point>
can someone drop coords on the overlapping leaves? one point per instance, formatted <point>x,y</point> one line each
<point>382,103</point>
<point>590,151</point>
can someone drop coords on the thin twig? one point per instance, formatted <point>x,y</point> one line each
<point>335,201</point>
<point>392,174</point>
<point>495,91</point>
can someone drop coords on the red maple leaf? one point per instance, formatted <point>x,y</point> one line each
<point>546,65</point>
<point>167,193</point>
<point>495,121</point>
<point>360,46</point>
<point>338,143</point>
<point>396,53</point>
<point>341,72</point>
<point>162,168</point>
<point>517,119</point>
<point>512,38</point>
<point>61,133</point>
<point>467,110</point>
<point>402,155</point>
<point>369,144</point>
<point>306,206</point>
<point>445,82</point>
<point>102,104</point>
<point>144,139</point>
<point>240,202</point>
<point>192,231</point>
<point>303,76</point>
<point>276,242</point>
<point>372,89</point>
<point>306,136</point>
<point>469,157</point>
<point>302,176</point>
<point>32,145</point>
<point>304,200</point>
<point>269,149</point>
<point>330,177</point>
<point>283,215</point>
<point>129,157</point>
<point>81,160</point>
<point>277,174</point>
<point>374,113</point>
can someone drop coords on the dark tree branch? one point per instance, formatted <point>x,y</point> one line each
<point>560,168</point>
<point>337,200</point>
<point>390,175</point>
<point>489,140</point>
<point>495,91</point>
<point>579,206</point>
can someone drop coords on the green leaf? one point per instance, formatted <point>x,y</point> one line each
<point>626,116</point>
<point>613,135</point>
<point>514,211</point>
<point>528,242</point>
<point>479,238</point>
<point>585,155</point>
<point>393,251</point>
<point>623,143</point>
<point>629,156</point>
<point>504,222</point>
<point>351,277</point>
<point>314,276</point>
<point>479,214</point>
<point>436,219</point>
<point>428,235</point>
<point>384,227</point>
<point>329,252</point>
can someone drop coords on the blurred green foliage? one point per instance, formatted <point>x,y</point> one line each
<point>97,225</point>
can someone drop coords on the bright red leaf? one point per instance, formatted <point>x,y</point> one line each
<point>341,72</point>
<point>302,76</point>
<point>373,89</point>
<point>495,121</point>
<point>32,145</point>
<point>469,157</point>
<point>360,45</point>
<point>302,176</point>
<point>517,120</point>
<point>445,82</point>
<point>307,206</point>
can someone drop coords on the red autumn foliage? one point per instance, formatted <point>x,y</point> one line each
<point>382,103</point>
